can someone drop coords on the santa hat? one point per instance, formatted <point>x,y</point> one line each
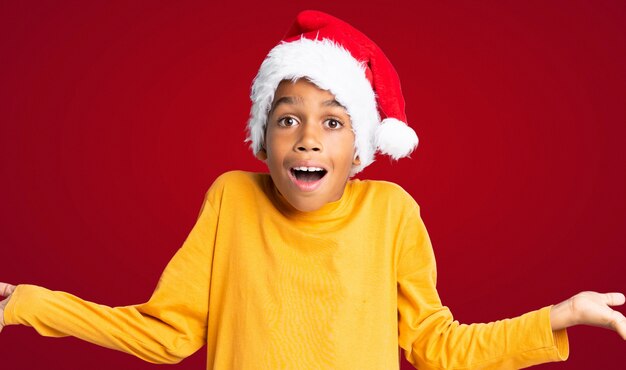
<point>339,58</point>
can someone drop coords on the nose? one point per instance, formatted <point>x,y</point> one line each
<point>308,139</point>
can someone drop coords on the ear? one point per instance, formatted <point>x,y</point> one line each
<point>356,161</point>
<point>261,154</point>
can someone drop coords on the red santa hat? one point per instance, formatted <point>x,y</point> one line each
<point>339,58</point>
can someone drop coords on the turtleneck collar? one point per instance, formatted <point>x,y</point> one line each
<point>329,213</point>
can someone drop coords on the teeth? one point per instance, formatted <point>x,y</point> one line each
<point>310,169</point>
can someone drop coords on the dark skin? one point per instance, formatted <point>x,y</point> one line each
<point>308,128</point>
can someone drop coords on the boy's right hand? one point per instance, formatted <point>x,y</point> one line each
<point>5,291</point>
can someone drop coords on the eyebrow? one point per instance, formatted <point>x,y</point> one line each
<point>291,100</point>
<point>296,100</point>
<point>333,103</point>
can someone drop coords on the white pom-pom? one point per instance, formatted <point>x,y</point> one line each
<point>395,138</point>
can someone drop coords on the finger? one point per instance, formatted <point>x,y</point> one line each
<point>3,303</point>
<point>614,299</point>
<point>6,289</point>
<point>619,325</point>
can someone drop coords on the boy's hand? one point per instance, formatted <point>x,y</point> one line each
<point>590,308</point>
<point>5,291</point>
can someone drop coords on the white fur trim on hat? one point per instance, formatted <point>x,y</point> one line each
<point>395,138</point>
<point>330,67</point>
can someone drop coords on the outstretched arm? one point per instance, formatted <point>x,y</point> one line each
<point>432,339</point>
<point>590,308</point>
<point>166,329</point>
<point>5,291</point>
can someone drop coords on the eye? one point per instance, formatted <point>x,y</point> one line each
<point>333,124</point>
<point>287,122</point>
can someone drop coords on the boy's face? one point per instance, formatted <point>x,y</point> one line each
<point>309,145</point>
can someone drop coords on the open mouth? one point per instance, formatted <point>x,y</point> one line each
<point>308,174</point>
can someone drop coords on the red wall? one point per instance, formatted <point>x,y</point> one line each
<point>115,119</point>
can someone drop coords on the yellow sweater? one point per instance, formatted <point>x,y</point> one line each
<point>268,287</point>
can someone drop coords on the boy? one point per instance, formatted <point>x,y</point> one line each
<point>303,268</point>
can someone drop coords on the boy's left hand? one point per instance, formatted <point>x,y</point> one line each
<point>590,308</point>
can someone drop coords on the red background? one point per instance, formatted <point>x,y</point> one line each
<point>116,118</point>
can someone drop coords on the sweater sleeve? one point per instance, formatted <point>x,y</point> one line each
<point>432,339</point>
<point>169,327</point>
